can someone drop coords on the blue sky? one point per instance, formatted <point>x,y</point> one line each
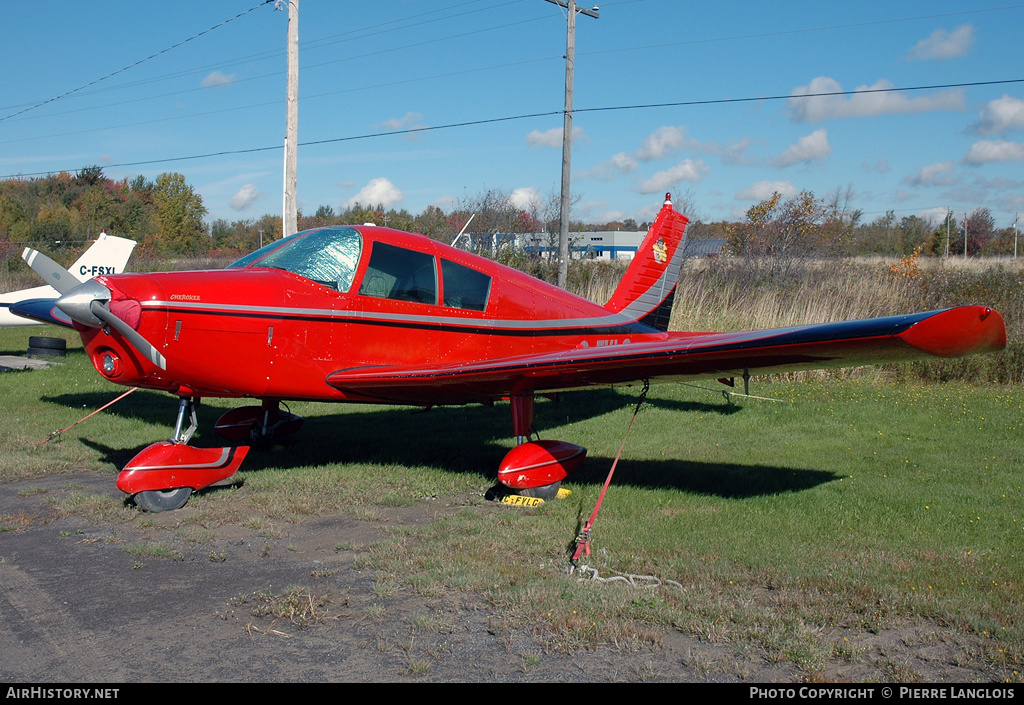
<point>368,68</point>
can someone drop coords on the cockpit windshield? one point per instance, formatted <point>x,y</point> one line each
<point>328,256</point>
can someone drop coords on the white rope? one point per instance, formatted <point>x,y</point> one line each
<point>726,393</point>
<point>643,581</point>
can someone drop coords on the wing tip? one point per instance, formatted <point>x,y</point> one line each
<point>956,332</point>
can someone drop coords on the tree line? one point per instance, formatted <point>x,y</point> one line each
<point>166,216</point>
<point>805,224</point>
<point>65,211</point>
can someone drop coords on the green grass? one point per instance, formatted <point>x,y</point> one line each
<point>853,504</point>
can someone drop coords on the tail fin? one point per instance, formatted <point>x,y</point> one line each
<point>649,284</point>
<point>108,255</point>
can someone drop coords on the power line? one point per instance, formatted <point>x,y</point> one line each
<point>311,45</point>
<point>140,61</point>
<point>859,91</point>
<point>527,116</point>
<point>346,36</point>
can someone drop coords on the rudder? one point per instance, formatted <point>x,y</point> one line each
<point>648,287</point>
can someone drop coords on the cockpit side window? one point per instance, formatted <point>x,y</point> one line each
<point>328,256</point>
<point>400,274</point>
<point>464,287</point>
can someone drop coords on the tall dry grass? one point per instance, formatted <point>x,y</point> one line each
<point>743,294</point>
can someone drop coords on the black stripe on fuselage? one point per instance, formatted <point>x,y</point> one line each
<point>627,328</point>
<point>848,331</point>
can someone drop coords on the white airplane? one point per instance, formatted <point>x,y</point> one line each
<point>108,255</point>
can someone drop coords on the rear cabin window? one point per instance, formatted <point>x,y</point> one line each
<point>400,274</point>
<point>464,287</point>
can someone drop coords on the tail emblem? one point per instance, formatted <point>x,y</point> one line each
<point>660,252</point>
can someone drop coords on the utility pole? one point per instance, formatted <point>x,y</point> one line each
<point>964,224</point>
<point>1015,235</point>
<point>949,215</point>
<point>570,57</point>
<point>291,140</point>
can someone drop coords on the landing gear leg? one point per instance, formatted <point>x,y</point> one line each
<point>186,407</point>
<point>261,425</point>
<point>163,476</point>
<point>522,417</point>
<point>536,468</point>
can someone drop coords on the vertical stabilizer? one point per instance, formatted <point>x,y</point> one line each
<point>649,284</point>
<point>108,255</point>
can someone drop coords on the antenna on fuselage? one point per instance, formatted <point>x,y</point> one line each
<point>463,229</point>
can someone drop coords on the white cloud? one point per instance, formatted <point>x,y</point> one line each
<point>944,45</point>
<point>377,191</point>
<point>686,170</point>
<point>933,215</point>
<point>245,197</point>
<point>809,148</point>
<point>1011,202</point>
<point>864,104</point>
<point>764,189</point>
<point>553,137</point>
<point>446,202</point>
<point>732,153</point>
<point>1000,116</point>
<point>597,212</point>
<point>998,184</point>
<point>620,163</point>
<point>399,123</point>
<point>411,121</point>
<point>623,163</point>
<point>881,166</point>
<point>526,198</point>
<point>661,143</point>
<point>939,174</point>
<point>658,145</point>
<point>217,79</point>
<point>987,151</point>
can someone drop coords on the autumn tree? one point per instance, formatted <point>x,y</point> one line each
<point>977,228</point>
<point>433,223</point>
<point>179,216</point>
<point>796,227</point>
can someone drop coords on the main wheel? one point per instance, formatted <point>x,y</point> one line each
<point>162,500</point>
<point>543,492</point>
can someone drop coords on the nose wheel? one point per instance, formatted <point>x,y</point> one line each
<point>163,476</point>
<point>162,500</point>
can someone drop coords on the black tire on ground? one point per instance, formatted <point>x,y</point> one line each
<point>42,341</point>
<point>44,352</point>
<point>545,492</point>
<point>162,500</point>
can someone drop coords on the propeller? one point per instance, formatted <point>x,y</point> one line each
<point>52,273</point>
<point>88,303</point>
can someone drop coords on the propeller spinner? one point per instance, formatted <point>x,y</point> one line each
<point>88,303</point>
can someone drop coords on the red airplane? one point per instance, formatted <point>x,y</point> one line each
<point>372,315</point>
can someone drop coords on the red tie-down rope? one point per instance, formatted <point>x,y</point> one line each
<point>57,434</point>
<point>583,539</point>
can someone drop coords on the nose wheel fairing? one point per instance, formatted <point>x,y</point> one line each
<point>168,465</point>
<point>163,475</point>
